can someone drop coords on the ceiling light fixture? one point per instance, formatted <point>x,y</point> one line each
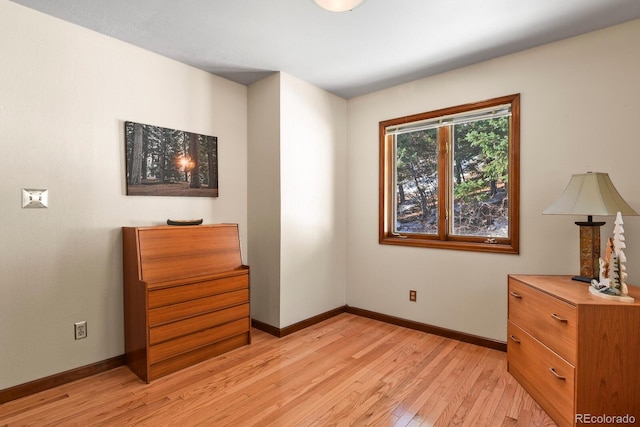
<point>338,5</point>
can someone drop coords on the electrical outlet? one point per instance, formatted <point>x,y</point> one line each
<point>80,329</point>
<point>413,296</point>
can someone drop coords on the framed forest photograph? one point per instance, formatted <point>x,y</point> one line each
<point>169,162</point>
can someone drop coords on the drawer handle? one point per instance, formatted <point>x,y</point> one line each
<point>514,339</point>
<point>515,295</point>
<point>557,375</point>
<point>559,319</point>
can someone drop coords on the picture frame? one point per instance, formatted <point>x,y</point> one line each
<point>169,162</point>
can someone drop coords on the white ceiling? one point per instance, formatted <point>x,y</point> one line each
<point>377,45</point>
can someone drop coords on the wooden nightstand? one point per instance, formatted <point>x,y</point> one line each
<point>576,354</point>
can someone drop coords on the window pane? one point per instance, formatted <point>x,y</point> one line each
<point>417,182</point>
<point>449,178</point>
<point>480,177</point>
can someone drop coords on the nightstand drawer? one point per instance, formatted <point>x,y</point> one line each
<point>548,377</point>
<point>546,318</point>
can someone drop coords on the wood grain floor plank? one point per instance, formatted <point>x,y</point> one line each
<point>482,407</point>
<point>416,405</point>
<point>368,363</point>
<point>317,372</point>
<point>401,383</point>
<point>347,370</point>
<point>391,378</point>
<point>441,405</point>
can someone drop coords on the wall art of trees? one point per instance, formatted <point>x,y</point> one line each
<point>169,162</point>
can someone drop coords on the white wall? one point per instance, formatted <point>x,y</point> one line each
<point>314,197</point>
<point>297,200</point>
<point>65,93</point>
<point>580,106</point>
<point>264,199</point>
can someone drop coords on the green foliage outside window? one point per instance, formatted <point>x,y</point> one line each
<point>450,177</point>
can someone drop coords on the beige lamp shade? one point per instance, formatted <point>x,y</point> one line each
<point>338,5</point>
<point>591,193</point>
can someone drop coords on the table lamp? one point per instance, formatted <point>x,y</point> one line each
<point>590,193</point>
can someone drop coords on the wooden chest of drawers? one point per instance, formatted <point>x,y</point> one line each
<point>576,354</point>
<point>186,296</point>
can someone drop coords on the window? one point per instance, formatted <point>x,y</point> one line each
<point>450,178</point>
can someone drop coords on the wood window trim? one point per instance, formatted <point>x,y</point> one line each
<point>510,245</point>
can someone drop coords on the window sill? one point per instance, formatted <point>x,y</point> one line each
<point>504,248</point>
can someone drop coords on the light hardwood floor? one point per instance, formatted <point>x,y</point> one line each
<point>348,370</point>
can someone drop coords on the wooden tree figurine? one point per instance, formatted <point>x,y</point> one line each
<point>613,272</point>
<point>619,245</point>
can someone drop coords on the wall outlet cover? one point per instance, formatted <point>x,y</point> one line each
<point>80,329</point>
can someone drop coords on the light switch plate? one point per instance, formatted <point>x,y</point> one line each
<point>35,198</point>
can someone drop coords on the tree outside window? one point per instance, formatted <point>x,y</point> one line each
<point>450,178</point>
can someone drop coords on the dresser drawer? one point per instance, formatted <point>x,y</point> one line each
<point>173,364</point>
<point>187,343</point>
<point>188,326</point>
<point>177,294</point>
<point>545,375</point>
<point>169,313</point>
<point>545,317</point>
